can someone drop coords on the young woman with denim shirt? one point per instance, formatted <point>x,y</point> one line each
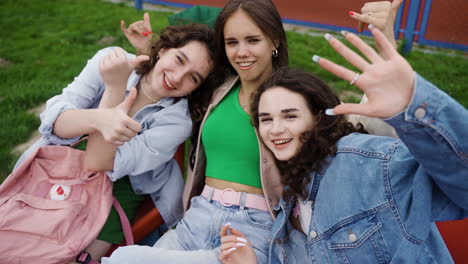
<point>355,198</point>
<point>231,177</point>
<point>135,131</point>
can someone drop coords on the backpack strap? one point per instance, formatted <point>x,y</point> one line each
<point>85,258</point>
<point>127,229</point>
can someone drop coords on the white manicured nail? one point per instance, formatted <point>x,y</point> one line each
<point>344,32</point>
<point>231,249</point>
<point>241,244</point>
<point>330,112</point>
<point>370,26</point>
<point>328,36</point>
<point>241,239</point>
<point>315,58</point>
<point>228,224</point>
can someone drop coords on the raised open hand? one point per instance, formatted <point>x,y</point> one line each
<point>114,124</point>
<point>388,80</point>
<point>115,68</point>
<point>139,34</point>
<point>235,248</point>
<point>381,14</point>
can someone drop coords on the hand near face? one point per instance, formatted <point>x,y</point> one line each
<point>139,34</point>
<point>387,81</point>
<point>115,125</point>
<point>235,248</point>
<point>115,68</point>
<point>380,14</point>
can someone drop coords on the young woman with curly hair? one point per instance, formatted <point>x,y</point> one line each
<point>351,197</point>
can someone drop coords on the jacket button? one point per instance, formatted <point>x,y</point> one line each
<point>352,237</point>
<point>420,113</point>
<point>264,160</point>
<point>313,234</point>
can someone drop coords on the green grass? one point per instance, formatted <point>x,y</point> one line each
<point>49,42</point>
<point>447,72</point>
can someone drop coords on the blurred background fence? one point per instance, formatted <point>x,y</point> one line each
<point>436,23</point>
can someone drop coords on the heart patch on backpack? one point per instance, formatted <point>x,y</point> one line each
<point>59,192</point>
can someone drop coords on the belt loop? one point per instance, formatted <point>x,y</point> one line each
<point>242,200</point>
<point>210,193</point>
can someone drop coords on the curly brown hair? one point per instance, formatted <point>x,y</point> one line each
<point>176,37</point>
<point>320,141</point>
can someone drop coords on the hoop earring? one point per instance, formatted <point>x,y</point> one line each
<point>275,53</point>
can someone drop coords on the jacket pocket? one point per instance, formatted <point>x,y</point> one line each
<point>359,242</point>
<point>43,217</point>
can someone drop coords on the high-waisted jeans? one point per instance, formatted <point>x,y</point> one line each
<point>196,238</point>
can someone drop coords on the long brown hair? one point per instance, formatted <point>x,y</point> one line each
<point>267,18</point>
<point>320,141</point>
<point>176,37</point>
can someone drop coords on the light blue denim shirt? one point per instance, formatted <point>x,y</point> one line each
<point>148,157</point>
<point>377,199</point>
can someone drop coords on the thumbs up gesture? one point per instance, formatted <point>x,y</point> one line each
<point>115,68</point>
<point>115,125</point>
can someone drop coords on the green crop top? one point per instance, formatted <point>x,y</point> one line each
<point>230,143</point>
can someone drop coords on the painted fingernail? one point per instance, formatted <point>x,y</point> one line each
<point>231,249</point>
<point>150,32</point>
<point>328,36</point>
<point>344,32</point>
<point>227,224</point>
<point>370,26</point>
<point>316,58</point>
<point>241,239</point>
<point>144,34</point>
<point>241,244</point>
<point>330,112</point>
<point>351,13</point>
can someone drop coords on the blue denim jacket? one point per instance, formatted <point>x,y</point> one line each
<point>148,157</point>
<point>377,199</point>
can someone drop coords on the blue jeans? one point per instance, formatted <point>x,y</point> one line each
<point>196,237</point>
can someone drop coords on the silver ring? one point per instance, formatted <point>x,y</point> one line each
<point>356,76</point>
<point>370,13</point>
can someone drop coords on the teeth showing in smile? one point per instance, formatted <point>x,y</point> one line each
<point>281,141</point>
<point>245,64</point>
<point>168,83</point>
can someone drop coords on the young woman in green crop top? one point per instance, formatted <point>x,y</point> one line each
<point>251,42</point>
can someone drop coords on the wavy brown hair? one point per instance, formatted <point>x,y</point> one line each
<point>320,141</point>
<point>179,36</point>
<point>267,18</point>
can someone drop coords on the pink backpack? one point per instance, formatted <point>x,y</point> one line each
<point>51,208</point>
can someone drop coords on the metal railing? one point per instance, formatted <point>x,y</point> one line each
<point>417,21</point>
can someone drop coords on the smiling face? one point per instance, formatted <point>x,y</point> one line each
<point>283,118</point>
<point>179,71</point>
<point>248,49</point>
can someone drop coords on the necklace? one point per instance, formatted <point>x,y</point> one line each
<point>144,93</point>
<point>244,106</point>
